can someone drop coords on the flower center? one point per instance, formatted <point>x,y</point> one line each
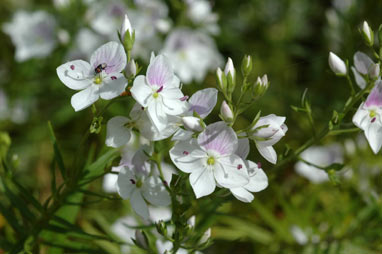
<point>372,113</point>
<point>211,160</point>
<point>97,80</point>
<point>139,183</point>
<point>155,95</point>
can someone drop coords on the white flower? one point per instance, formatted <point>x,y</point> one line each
<point>159,92</point>
<point>101,78</point>
<point>192,54</point>
<point>200,13</point>
<point>268,131</point>
<point>258,180</point>
<point>33,34</point>
<point>299,235</point>
<point>337,65</point>
<point>211,159</point>
<point>368,117</point>
<point>137,185</point>
<point>126,27</point>
<point>166,247</point>
<point>321,156</point>
<point>363,66</point>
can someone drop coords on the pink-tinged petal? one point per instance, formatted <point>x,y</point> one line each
<point>258,180</point>
<point>242,194</point>
<point>113,86</point>
<point>242,148</point>
<point>362,62</point>
<point>159,71</point>
<point>125,186</point>
<point>117,134</point>
<point>202,182</point>
<point>139,204</point>
<point>75,74</point>
<point>112,54</point>
<point>141,92</point>
<point>188,157</point>
<point>85,98</point>
<point>268,152</point>
<point>375,96</point>
<point>203,101</point>
<point>155,192</point>
<point>374,135</point>
<point>358,78</point>
<point>361,117</point>
<point>157,114</point>
<point>231,171</point>
<point>219,137</point>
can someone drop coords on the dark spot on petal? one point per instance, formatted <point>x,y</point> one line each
<point>160,89</point>
<point>113,77</point>
<point>142,108</point>
<point>186,153</point>
<point>259,164</point>
<point>239,166</point>
<point>72,67</point>
<point>184,98</point>
<point>373,120</point>
<point>132,181</point>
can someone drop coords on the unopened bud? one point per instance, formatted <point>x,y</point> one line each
<point>261,86</point>
<point>246,65</point>
<point>374,71</point>
<point>221,79</point>
<point>368,34</point>
<point>141,239</point>
<point>192,123</point>
<point>131,69</point>
<point>127,33</point>
<point>230,73</point>
<point>337,65</point>
<point>226,112</point>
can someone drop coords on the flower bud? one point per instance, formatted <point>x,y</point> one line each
<point>230,73</point>
<point>246,65</point>
<point>192,123</point>
<point>141,239</point>
<point>226,112</point>
<point>261,86</point>
<point>368,34</point>
<point>127,34</point>
<point>131,69</point>
<point>221,79</point>
<point>374,71</point>
<point>337,65</point>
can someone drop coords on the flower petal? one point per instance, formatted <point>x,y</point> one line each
<point>219,137</point>
<point>139,204</point>
<point>112,54</point>
<point>182,135</point>
<point>203,101</point>
<point>258,180</point>
<point>125,187</point>
<point>159,71</point>
<point>362,62</point>
<point>242,148</point>
<point>187,156</point>
<point>155,192</point>
<point>141,92</point>
<point>268,152</point>
<point>113,86</point>
<point>157,114</point>
<point>85,98</point>
<point>117,134</point>
<point>242,194</point>
<point>75,74</point>
<point>358,78</point>
<point>360,118</point>
<point>231,171</point>
<point>374,135</point>
<point>202,182</point>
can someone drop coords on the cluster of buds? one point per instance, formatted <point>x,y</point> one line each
<point>227,79</point>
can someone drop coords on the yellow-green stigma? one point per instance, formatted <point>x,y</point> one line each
<point>372,113</point>
<point>97,80</point>
<point>211,160</point>
<point>155,95</point>
<point>139,183</point>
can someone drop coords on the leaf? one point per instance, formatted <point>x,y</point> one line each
<point>57,153</point>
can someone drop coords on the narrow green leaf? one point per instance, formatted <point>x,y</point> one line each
<point>57,153</point>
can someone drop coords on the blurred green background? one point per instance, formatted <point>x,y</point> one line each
<point>289,40</point>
